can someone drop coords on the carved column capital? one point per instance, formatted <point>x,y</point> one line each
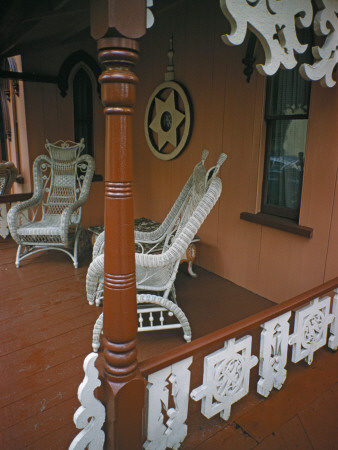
<point>118,57</point>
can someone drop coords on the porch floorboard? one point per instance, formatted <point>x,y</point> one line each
<point>45,334</point>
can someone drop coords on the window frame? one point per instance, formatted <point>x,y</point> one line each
<point>88,121</point>
<point>270,119</point>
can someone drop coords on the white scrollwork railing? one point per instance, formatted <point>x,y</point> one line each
<point>226,377</point>
<point>92,435</point>
<point>170,428</point>
<point>273,354</point>
<point>310,333</point>
<point>333,339</point>
<point>227,370</point>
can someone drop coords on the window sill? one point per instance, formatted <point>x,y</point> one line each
<point>278,222</point>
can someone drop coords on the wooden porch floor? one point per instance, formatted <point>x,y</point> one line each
<point>46,326</point>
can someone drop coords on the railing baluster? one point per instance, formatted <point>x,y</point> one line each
<point>161,433</point>
<point>273,354</point>
<point>333,339</point>
<point>310,332</point>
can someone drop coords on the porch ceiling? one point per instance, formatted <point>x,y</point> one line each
<point>49,23</point>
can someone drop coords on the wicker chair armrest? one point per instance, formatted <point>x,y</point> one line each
<point>94,276</point>
<point>98,247</point>
<point>181,243</point>
<point>15,210</point>
<point>166,226</point>
<point>66,219</point>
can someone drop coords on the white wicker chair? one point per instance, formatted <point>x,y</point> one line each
<point>157,272</point>
<point>8,173</point>
<point>61,186</point>
<point>156,240</point>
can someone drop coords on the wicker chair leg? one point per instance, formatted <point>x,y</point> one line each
<point>76,249</point>
<point>17,260</point>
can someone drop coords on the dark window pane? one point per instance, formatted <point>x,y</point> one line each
<point>285,163</point>
<point>83,110</point>
<point>287,94</point>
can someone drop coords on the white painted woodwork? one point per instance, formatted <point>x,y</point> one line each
<point>149,15</point>
<point>273,354</point>
<point>91,436</point>
<point>226,377</point>
<point>169,434</point>
<point>310,330</point>
<point>333,339</point>
<point>4,231</point>
<point>274,24</point>
<point>326,56</point>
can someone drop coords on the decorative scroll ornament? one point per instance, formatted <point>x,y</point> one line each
<point>326,57</point>
<point>226,377</point>
<point>91,436</point>
<point>166,426</point>
<point>274,23</point>
<point>167,119</point>
<point>310,333</point>
<point>273,354</point>
<point>333,339</point>
<point>150,16</point>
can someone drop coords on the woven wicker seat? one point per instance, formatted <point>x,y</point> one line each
<point>156,273</point>
<point>62,181</point>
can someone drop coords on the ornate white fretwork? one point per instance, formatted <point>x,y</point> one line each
<point>226,377</point>
<point>326,57</point>
<point>91,436</point>
<point>149,15</point>
<point>273,354</point>
<point>166,426</point>
<point>310,332</point>
<point>274,24</point>
<point>333,339</point>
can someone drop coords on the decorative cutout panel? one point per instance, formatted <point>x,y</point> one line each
<point>274,23</point>
<point>333,339</point>
<point>273,354</point>
<point>166,426</point>
<point>91,436</point>
<point>326,56</point>
<point>226,377</point>
<point>310,333</point>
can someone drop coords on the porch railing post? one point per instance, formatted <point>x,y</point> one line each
<point>123,388</point>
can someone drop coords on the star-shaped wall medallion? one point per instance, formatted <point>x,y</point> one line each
<point>166,121</point>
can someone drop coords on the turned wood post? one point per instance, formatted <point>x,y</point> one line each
<point>115,24</point>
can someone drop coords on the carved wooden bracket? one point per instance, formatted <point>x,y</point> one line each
<point>274,23</point>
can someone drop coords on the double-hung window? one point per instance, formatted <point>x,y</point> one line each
<point>286,115</point>
<point>83,110</point>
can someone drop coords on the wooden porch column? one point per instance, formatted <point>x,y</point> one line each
<point>115,24</point>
